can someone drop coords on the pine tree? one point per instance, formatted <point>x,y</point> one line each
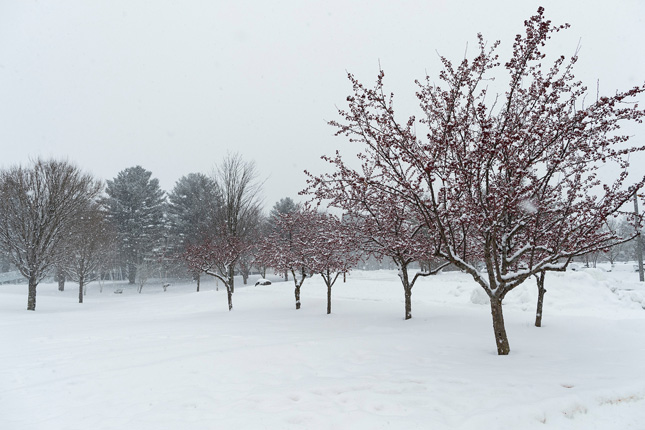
<point>282,207</point>
<point>136,207</point>
<point>192,209</point>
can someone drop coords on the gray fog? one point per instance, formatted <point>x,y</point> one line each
<point>173,85</point>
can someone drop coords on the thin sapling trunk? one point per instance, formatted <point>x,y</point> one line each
<point>229,290</point>
<point>298,284</point>
<point>327,277</point>
<point>540,300</point>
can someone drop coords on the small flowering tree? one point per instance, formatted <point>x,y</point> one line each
<point>306,242</point>
<point>217,257</point>
<point>386,228</point>
<point>289,247</point>
<point>335,249</point>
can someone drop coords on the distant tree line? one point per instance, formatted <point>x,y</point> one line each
<point>58,221</point>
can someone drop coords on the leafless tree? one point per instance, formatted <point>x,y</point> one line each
<point>89,245</point>
<point>240,192</point>
<point>39,205</point>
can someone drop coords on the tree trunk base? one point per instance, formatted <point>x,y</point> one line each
<point>501,339</point>
<point>31,296</point>
<point>229,294</point>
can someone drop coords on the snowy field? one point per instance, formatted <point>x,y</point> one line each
<point>179,360</point>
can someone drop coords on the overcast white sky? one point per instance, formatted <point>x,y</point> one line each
<point>174,85</point>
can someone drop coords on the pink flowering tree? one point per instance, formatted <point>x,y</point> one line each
<point>509,180</point>
<point>289,247</point>
<point>306,242</point>
<point>217,257</point>
<point>335,249</point>
<point>386,227</point>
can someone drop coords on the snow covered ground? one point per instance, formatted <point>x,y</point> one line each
<point>179,360</point>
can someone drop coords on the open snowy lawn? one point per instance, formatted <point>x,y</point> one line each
<point>179,360</point>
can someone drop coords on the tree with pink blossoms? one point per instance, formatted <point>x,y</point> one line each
<point>288,248</point>
<point>510,180</point>
<point>335,249</point>
<point>217,257</point>
<point>387,228</point>
<point>305,242</point>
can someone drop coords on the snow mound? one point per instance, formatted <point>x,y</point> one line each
<point>479,297</point>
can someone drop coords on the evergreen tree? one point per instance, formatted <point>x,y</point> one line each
<point>136,207</point>
<point>193,206</point>
<point>282,207</point>
<point>192,209</point>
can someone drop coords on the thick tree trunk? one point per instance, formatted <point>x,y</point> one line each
<point>231,279</point>
<point>198,278</point>
<point>408,303</point>
<point>407,290</point>
<point>540,300</point>
<point>297,293</point>
<point>328,298</point>
<point>80,290</point>
<point>503,348</point>
<point>286,276</point>
<point>229,293</point>
<point>31,296</point>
